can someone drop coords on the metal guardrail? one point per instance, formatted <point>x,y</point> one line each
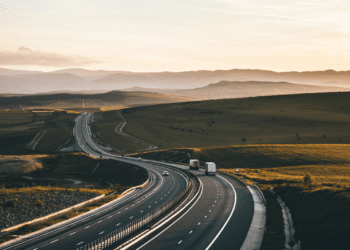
<point>117,236</point>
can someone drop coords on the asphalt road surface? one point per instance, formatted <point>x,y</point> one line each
<point>114,216</point>
<point>219,219</point>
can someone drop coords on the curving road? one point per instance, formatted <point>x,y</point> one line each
<point>219,219</point>
<point>92,226</point>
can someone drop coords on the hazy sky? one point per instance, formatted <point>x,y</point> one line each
<point>175,35</point>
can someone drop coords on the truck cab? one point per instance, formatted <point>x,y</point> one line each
<point>194,164</point>
<point>210,168</point>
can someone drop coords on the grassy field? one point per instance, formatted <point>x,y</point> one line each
<point>104,129</point>
<point>21,131</point>
<point>290,119</point>
<point>320,208</point>
<point>60,170</point>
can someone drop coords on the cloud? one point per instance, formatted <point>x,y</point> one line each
<point>29,56</point>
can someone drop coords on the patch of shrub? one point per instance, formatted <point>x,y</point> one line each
<point>307,180</point>
<point>12,202</point>
<point>39,203</point>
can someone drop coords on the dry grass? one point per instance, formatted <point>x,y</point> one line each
<point>290,119</point>
<point>39,189</point>
<point>57,219</point>
<point>334,175</point>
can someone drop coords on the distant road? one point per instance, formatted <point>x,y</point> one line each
<point>119,129</point>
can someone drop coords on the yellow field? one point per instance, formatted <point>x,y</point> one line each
<point>326,163</point>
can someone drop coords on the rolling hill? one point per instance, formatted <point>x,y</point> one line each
<point>225,89</point>
<point>66,101</point>
<point>27,82</point>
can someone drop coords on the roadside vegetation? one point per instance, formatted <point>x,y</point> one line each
<point>37,185</point>
<point>313,180</point>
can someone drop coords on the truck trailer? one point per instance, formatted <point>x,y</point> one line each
<point>210,168</point>
<point>194,164</point>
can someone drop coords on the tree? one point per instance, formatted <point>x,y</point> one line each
<point>307,180</point>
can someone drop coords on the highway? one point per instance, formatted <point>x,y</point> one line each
<point>87,228</point>
<point>219,219</point>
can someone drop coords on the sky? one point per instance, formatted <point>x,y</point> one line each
<point>175,35</point>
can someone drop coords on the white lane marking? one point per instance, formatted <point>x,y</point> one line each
<point>161,198</point>
<point>109,216</point>
<point>228,219</point>
<point>215,201</point>
<point>205,216</point>
<point>87,226</point>
<point>191,231</point>
<point>118,213</point>
<point>99,221</point>
<point>131,217</point>
<point>54,241</point>
<point>80,243</point>
<point>177,219</point>
<point>102,232</point>
<point>213,205</point>
<point>141,211</point>
<point>72,233</point>
<point>209,211</point>
<point>179,242</point>
<point>149,206</point>
<point>156,202</point>
<point>118,224</point>
<point>199,223</point>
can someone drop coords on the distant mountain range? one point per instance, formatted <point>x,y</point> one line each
<point>30,82</point>
<point>226,89</point>
<point>74,101</point>
<point>137,96</point>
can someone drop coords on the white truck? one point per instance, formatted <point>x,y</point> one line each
<point>194,164</point>
<point>210,168</point>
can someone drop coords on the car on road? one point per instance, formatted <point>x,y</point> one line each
<point>165,173</point>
